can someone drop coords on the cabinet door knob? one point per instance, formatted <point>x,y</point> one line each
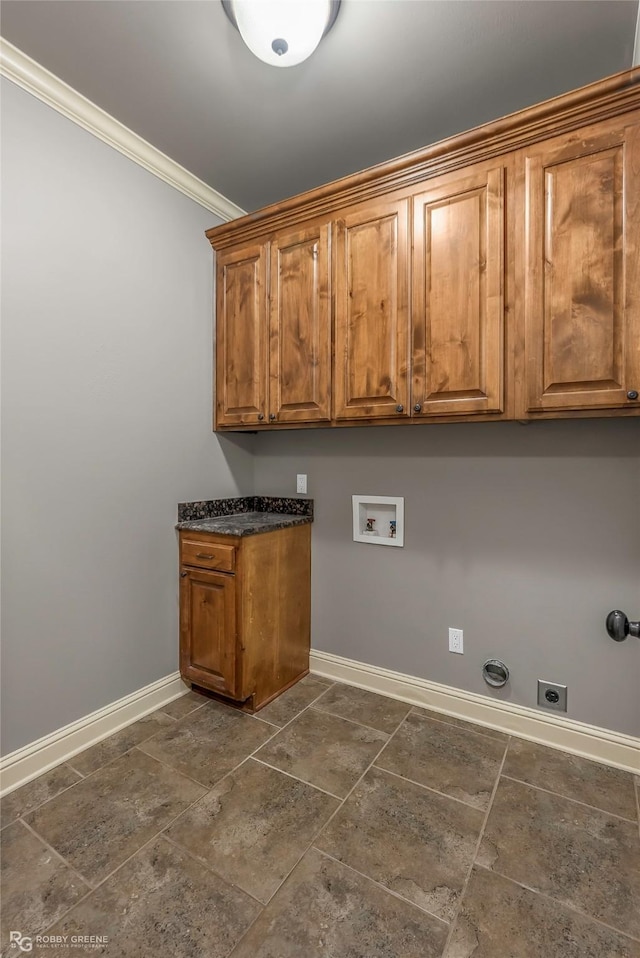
<point>260,416</point>
<point>632,394</point>
<point>272,416</point>
<point>182,575</point>
<point>399,408</point>
<point>417,407</point>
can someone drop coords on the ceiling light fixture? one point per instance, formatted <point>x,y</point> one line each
<point>282,32</point>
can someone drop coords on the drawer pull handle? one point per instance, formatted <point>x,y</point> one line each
<point>203,555</point>
<point>182,575</point>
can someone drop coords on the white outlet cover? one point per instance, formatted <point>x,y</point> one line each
<point>301,484</point>
<point>456,643</point>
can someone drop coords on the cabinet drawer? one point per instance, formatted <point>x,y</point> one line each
<point>206,555</point>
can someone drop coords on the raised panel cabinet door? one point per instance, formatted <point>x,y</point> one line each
<point>300,327</point>
<point>372,316</point>
<point>241,336</point>
<point>582,271</point>
<point>458,294</point>
<point>208,630</point>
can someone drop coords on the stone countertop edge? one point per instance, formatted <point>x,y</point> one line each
<point>243,516</point>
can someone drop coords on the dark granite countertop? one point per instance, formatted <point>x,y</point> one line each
<point>244,516</point>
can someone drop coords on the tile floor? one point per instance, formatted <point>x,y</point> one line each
<point>335,823</point>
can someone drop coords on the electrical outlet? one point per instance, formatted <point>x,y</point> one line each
<point>455,641</point>
<point>301,484</point>
<point>552,696</point>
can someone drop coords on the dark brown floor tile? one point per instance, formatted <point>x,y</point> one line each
<point>413,841</point>
<point>163,903</point>
<point>321,678</point>
<point>185,704</point>
<point>324,750</point>
<point>104,819</point>
<point>368,708</point>
<point>324,910</point>
<point>583,857</point>
<point>460,723</point>
<point>208,743</point>
<point>37,888</point>
<point>500,918</point>
<point>449,759</point>
<point>25,799</point>
<point>254,826</point>
<point>120,742</point>
<point>607,788</point>
<point>293,701</point>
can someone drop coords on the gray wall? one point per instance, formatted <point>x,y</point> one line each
<point>106,377</point>
<point>523,536</point>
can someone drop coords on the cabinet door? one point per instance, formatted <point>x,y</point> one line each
<point>582,270</point>
<point>241,336</point>
<point>372,320</point>
<point>458,294</point>
<point>300,327</point>
<point>208,633</point>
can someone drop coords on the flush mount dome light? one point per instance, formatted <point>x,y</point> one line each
<point>282,32</point>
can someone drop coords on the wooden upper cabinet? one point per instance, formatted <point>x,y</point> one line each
<point>241,336</point>
<point>582,270</point>
<point>458,294</point>
<point>372,318</point>
<point>300,327</point>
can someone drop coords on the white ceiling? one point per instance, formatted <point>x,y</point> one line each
<point>392,76</point>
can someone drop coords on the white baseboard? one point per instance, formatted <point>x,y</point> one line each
<point>26,763</point>
<point>589,741</point>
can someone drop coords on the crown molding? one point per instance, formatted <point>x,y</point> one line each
<point>603,100</point>
<point>41,83</point>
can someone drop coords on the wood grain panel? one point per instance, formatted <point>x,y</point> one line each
<point>300,327</point>
<point>241,336</point>
<point>581,311</point>
<point>275,599</point>
<point>458,306</point>
<point>208,647</point>
<point>372,338</point>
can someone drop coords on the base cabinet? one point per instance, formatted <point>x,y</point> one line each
<point>245,612</point>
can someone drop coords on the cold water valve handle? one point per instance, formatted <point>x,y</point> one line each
<point>619,627</point>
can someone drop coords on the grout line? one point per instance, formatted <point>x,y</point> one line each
<point>298,714</point>
<point>106,878</point>
<point>296,778</point>
<point>441,717</point>
<point>209,867</point>
<point>35,808</point>
<point>389,891</point>
<point>568,798</point>
<point>558,901</point>
<point>333,814</point>
<point>172,768</point>
<point>73,769</point>
<point>463,892</point>
<point>317,708</point>
<point>65,862</point>
<point>428,788</point>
